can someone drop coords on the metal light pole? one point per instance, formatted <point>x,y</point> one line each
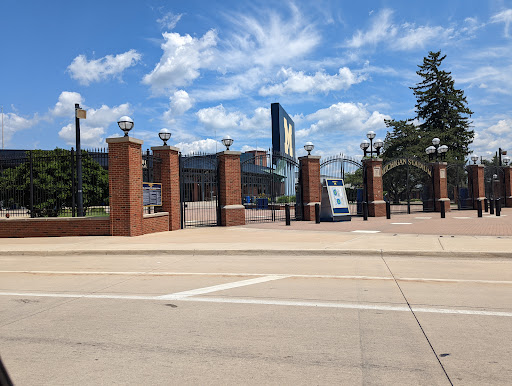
<point>79,114</point>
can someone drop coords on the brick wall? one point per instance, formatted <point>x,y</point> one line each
<point>376,203</point>
<point>441,186</point>
<point>170,179</point>
<point>311,186</point>
<point>125,179</point>
<point>232,211</point>
<point>55,227</point>
<point>156,222</point>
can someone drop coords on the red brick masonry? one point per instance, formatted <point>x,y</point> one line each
<point>311,187</point>
<point>156,222</point>
<point>55,227</point>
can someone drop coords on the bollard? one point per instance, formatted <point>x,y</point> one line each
<point>365,211</point>
<point>287,213</point>
<point>498,207</point>
<point>388,210</point>
<point>491,207</point>
<point>486,204</point>
<point>443,209</point>
<point>479,207</point>
<point>317,213</point>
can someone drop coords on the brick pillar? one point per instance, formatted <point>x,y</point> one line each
<point>170,179</point>
<point>232,212</point>
<point>508,185</point>
<point>311,187</point>
<point>125,185</point>
<point>477,183</point>
<point>376,203</point>
<point>440,186</point>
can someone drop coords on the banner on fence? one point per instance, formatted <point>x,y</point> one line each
<point>151,194</point>
<point>334,201</point>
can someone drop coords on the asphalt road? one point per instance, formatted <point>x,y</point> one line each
<point>256,320</point>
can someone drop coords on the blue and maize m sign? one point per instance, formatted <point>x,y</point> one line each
<point>283,131</point>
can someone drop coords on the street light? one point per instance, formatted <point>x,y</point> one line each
<point>227,141</point>
<point>126,124</point>
<point>436,150</point>
<point>506,160</point>
<point>364,146</point>
<point>164,135</point>
<point>474,158</point>
<point>309,147</point>
<point>379,143</point>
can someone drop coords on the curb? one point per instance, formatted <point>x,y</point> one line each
<point>263,252</point>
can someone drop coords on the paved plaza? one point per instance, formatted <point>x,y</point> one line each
<point>412,300</point>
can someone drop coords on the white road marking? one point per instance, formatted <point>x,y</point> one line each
<point>270,302</point>
<point>221,287</point>
<point>401,223</point>
<point>366,231</point>
<point>279,275</point>
<point>423,218</point>
<point>463,218</point>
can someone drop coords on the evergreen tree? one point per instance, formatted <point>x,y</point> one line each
<point>442,109</point>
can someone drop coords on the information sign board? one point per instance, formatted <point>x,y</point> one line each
<point>151,194</point>
<point>334,201</point>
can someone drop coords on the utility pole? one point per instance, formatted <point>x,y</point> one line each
<point>2,127</point>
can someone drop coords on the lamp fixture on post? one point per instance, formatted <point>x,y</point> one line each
<point>126,124</point>
<point>436,151</point>
<point>506,160</point>
<point>474,158</point>
<point>164,135</point>
<point>370,146</point>
<point>309,147</point>
<point>227,141</point>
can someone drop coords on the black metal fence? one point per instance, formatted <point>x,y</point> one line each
<point>270,181</point>
<point>199,188</point>
<point>42,183</point>
<point>460,189</point>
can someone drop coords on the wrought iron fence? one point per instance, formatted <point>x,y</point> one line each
<point>199,190</point>
<point>42,183</point>
<point>270,181</point>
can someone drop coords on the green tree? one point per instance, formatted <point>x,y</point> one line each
<point>52,182</point>
<point>442,109</point>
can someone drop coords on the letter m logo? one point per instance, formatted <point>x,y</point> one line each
<point>288,138</point>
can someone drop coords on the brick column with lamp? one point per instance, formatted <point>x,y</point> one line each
<point>125,186</point>
<point>311,186</point>
<point>170,179</point>
<point>374,187</point>
<point>440,186</point>
<point>476,173</point>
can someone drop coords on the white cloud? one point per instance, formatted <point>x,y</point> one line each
<point>503,17</point>
<point>218,118</point>
<point>87,72</point>
<point>297,81</point>
<point>202,146</point>
<point>268,39</point>
<point>65,106</point>
<point>169,20</point>
<point>179,103</point>
<point>503,126</point>
<point>349,118</point>
<point>236,124</point>
<point>494,79</point>
<point>14,123</point>
<point>380,29</point>
<point>183,57</point>
<point>94,127</point>
<point>412,37</point>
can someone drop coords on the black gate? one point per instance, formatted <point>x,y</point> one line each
<point>270,181</point>
<point>460,189</point>
<point>408,185</point>
<point>495,187</point>
<point>350,171</point>
<point>199,190</point>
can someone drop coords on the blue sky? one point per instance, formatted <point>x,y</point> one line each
<point>204,69</point>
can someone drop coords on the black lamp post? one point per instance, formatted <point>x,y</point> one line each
<point>365,145</point>
<point>436,151</point>
<point>79,114</point>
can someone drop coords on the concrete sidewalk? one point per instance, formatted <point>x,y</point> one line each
<point>416,234</point>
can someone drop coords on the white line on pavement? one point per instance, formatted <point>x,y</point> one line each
<point>401,223</point>
<point>221,287</point>
<point>280,275</point>
<point>366,231</point>
<point>270,302</point>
